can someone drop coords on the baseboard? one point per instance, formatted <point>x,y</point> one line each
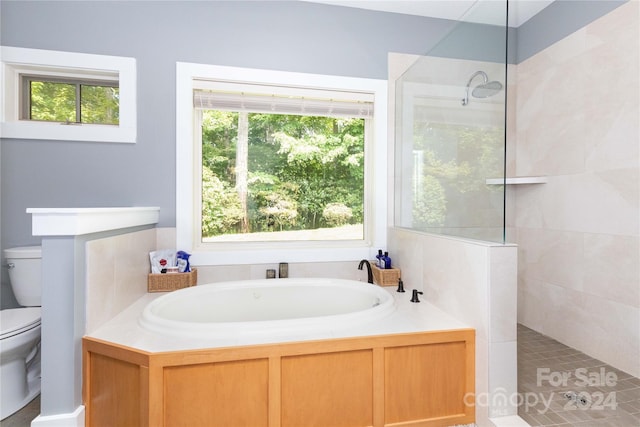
<point>74,419</point>
<point>509,421</point>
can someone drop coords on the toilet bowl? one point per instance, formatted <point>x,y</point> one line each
<point>20,358</point>
<point>20,332</point>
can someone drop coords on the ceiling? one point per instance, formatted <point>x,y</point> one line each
<point>479,11</point>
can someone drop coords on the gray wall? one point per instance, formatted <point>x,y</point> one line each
<point>292,36</point>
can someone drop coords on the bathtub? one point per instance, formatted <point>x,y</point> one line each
<point>362,355</point>
<point>274,307</point>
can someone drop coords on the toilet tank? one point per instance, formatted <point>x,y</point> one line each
<point>25,274</point>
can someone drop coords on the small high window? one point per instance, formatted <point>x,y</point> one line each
<point>45,92</point>
<point>70,101</point>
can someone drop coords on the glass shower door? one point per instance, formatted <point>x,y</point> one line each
<point>450,131</point>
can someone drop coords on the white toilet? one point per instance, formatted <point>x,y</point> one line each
<point>20,331</point>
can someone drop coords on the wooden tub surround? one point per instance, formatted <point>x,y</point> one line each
<point>407,379</point>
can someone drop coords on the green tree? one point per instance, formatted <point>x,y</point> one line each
<point>296,166</point>
<point>455,162</point>
<point>277,212</point>
<point>337,214</point>
<point>429,204</point>
<point>56,101</point>
<point>241,170</point>
<point>327,162</point>
<point>100,104</point>
<point>53,102</point>
<point>221,209</point>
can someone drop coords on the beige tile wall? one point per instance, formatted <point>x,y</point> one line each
<point>117,269</point>
<point>116,274</point>
<point>577,115</point>
<point>476,283</point>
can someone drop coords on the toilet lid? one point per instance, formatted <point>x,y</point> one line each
<point>16,320</point>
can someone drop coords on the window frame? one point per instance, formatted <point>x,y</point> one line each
<point>26,81</point>
<point>17,62</point>
<point>188,172</point>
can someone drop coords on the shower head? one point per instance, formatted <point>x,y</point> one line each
<point>484,90</point>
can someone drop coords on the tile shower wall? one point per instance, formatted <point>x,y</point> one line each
<point>578,235</point>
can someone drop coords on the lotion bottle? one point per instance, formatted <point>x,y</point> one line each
<point>387,260</point>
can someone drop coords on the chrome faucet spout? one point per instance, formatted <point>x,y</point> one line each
<point>369,272</point>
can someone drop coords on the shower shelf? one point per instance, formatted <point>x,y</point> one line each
<point>518,180</point>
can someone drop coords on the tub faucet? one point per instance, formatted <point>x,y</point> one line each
<point>369,272</point>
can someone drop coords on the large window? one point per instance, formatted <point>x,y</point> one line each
<point>282,165</point>
<point>279,167</point>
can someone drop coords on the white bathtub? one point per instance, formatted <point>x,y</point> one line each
<point>273,307</point>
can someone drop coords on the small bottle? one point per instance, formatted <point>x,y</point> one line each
<point>387,260</point>
<point>380,259</point>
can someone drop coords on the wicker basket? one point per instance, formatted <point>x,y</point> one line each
<point>386,277</point>
<point>171,281</point>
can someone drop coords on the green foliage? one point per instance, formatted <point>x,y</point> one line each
<point>337,214</point>
<point>219,136</point>
<point>297,165</point>
<point>221,210</point>
<point>461,157</point>
<point>55,101</point>
<point>429,204</point>
<point>452,164</point>
<point>276,212</point>
<point>100,105</point>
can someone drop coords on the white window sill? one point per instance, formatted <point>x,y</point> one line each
<point>63,132</point>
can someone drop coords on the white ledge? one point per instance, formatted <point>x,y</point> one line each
<point>517,180</point>
<point>78,221</point>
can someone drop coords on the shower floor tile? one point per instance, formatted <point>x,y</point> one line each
<point>560,386</point>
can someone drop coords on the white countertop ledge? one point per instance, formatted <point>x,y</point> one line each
<point>517,180</point>
<point>124,329</point>
<point>79,221</point>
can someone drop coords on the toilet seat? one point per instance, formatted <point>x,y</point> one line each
<point>14,321</point>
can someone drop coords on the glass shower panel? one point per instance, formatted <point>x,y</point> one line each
<point>450,131</point>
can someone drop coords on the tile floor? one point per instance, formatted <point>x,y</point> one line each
<point>560,386</point>
<point>24,416</point>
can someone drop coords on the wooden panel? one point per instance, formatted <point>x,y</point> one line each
<point>113,393</point>
<point>415,379</point>
<point>330,389</point>
<point>155,394</point>
<point>274,391</point>
<point>425,381</point>
<point>221,394</point>
<point>378,387</point>
<point>116,351</point>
